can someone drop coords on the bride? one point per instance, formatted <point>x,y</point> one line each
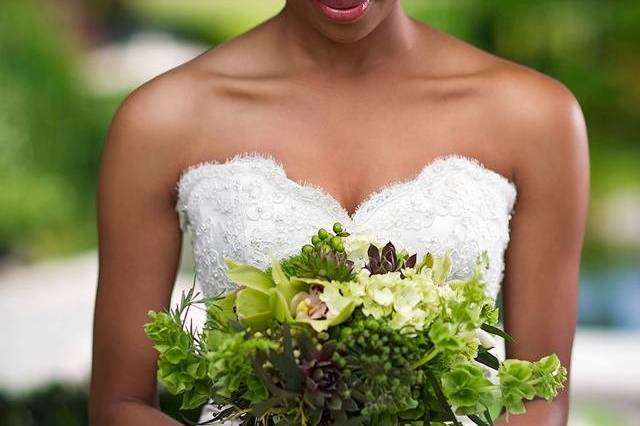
<point>338,110</point>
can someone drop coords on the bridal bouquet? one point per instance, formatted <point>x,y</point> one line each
<point>347,332</point>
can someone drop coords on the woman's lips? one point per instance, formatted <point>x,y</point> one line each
<point>343,10</point>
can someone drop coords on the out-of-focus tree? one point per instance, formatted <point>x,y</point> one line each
<point>50,135</point>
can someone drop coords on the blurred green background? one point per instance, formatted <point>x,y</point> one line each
<point>65,65</point>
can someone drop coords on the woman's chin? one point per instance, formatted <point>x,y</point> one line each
<point>342,21</point>
<point>343,11</point>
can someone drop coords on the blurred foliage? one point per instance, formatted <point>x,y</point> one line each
<point>54,405</point>
<point>65,405</point>
<point>51,126</point>
<point>50,132</point>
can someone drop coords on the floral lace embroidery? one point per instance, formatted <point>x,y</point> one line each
<point>248,208</point>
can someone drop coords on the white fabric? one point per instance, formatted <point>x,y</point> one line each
<point>247,208</point>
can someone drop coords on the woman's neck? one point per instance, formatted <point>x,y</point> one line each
<point>304,46</point>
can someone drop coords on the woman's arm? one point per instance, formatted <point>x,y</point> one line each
<point>139,251</point>
<point>543,258</point>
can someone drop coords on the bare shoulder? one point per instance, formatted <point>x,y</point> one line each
<point>145,135</point>
<point>157,124</point>
<point>540,118</point>
<point>543,135</point>
<point>530,119</point>
<point>534,119</point>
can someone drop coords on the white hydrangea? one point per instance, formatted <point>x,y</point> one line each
<point>412,301</point>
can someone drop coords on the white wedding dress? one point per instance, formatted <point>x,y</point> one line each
<point>247,208</point>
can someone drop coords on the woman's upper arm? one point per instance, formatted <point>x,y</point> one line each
<point>547,229</point>
<point>139,251</point>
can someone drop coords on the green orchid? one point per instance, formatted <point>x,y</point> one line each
<point>221,309</point>
<point>265,296</point>
<point>340,307</point>
<point>269,296</point>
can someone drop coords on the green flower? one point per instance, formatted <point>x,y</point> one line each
<point>466,387</point>
<point>550,375</point>
<point>339,306</point>
<point>410,300</point>
<point>515,377</point>
<point>270,296</point>
<point>230,370</point>
<point>444,337</point>
<point>180,369</point>
<point>265,297</point>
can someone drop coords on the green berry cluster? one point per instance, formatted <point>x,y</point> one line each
<point>377,365</point>
<point>325,258</point>
<point>324,240</point>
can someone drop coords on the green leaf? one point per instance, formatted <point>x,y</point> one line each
<point>426,262</point>
<point>496,331</point>
<point>248,276</point>
<point>487,358</point>
<point>487,416</point>
<point>477,420</point>
<point>193,399</point>
<point>286,363</point>
<point>442,400</point>
<point>174,355</point>
<point>258,362</point>
<point>302,283</point>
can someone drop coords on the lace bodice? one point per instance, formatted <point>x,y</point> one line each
<point>248,208</point>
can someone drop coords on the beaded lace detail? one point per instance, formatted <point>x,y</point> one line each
<point>248,208</point>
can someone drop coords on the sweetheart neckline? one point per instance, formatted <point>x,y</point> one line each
<point>317,189</point>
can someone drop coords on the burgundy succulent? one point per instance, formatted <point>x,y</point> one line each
<point>387,259</point>
<point>321,374</point>
<point>325,392</point>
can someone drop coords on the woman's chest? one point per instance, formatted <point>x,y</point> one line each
<point>349,143</point>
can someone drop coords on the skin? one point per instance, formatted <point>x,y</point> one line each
<point>348,107</point>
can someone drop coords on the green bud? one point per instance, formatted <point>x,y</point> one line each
<point>323,234</point>
<point>337,227</point>
<point>315,240</point>
<point>336,243</point>
<point>307,248</point>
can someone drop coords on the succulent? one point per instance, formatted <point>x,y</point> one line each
<point>324,390</point>
<point>324,258</point>
<point>322,264</point>
<point>388,259</point>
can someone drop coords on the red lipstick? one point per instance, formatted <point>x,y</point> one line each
<point>343,10</point>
